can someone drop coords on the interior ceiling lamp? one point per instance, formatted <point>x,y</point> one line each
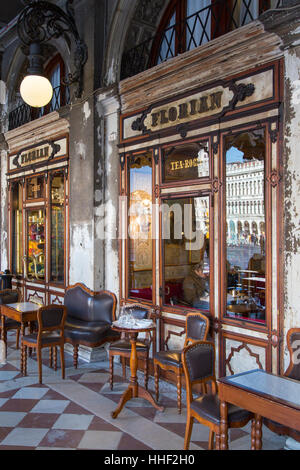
<point>38,23</point>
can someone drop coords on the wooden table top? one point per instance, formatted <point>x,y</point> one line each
<point>135,329</point>
<point>24,307</point>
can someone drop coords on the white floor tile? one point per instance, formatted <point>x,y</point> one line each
<point>10,418</point>
<point>73,421</point>
<point>24,437</point>
<point>50,406</point>
<point>100,440</point>
<point>34,393</point>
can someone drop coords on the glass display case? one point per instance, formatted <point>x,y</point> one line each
<point>57,228</point>
<point>17,226</point>
<point>38,215</point>
<point>35,244</point>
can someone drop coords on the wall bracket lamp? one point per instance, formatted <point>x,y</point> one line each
<point>38,23</point>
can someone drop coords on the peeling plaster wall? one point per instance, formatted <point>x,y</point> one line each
<point>81,195</point>
<point>291,164</point>
<point>106,198</point>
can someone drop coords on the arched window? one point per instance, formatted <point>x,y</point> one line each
<point>55,71</point>
<point>187,24</point>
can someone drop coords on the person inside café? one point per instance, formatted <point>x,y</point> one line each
<point>196,287</point>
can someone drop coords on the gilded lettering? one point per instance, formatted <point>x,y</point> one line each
<point>215,100</point>
<point>154,119</point>
<point>183,110</point>
<point>193,104</point>
<point>163,117</point>
<point>172,114</point>
<point>203,104</point>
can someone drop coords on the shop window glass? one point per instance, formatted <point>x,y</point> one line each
<point>140,227</point>
<point>246,226</point>
<point>35,187</point>
<point>17,224</point>
<point>186,162</point>
<point>36,244</point>
<point>186,265</point>
<point>57,195</point>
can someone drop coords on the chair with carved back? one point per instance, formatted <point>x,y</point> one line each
<point>196,328</point>
<point>292,372</point>
<point>198,360</point>
<point>51,321</point>
<point>10,296</point>
<point>122,347</point>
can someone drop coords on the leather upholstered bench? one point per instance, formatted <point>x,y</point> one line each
<point>89,317</point>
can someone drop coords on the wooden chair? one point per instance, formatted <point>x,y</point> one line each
<point>10,296</point>
<point>198,361</point>
<point>293,372</point>
<point>122,347</point>
<point>51,321</point>
<point>196,328</point>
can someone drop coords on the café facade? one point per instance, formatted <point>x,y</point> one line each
<point>191,162</point>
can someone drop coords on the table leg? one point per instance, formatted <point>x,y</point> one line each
<point>134,390</point>
<point>224,426</point>
<point>258,432</point>
<point>3,334</point>
<point>22,330</point>
<point>253,431</point>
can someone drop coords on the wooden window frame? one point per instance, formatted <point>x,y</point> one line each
<point>248,324</point>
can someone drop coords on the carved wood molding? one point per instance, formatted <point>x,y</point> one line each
<point>122,161</point>
<point>35,295</point>
<point>216,185</point>
<point>174,333</point>
<point>237,350</point>
<point>275,338</point>
<point>57,300</point>
<point>216,325</point>
<point>274,178</point>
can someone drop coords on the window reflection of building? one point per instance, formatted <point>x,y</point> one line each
<point>140,227</point>
<point>245,202</point>
<point>245,226</point>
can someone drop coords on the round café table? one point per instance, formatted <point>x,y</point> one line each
<point>134,390</point>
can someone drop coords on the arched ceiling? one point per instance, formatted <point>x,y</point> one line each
<point>144,22</point>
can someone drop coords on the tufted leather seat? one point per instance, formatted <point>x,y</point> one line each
<point>10,296</point>
<point>198,361</point>
<point>123,346</point>
<point>89,319</point>
<point>197,325</point>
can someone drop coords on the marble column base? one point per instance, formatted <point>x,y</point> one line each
<point>291,444</point>
<point>88,354</point>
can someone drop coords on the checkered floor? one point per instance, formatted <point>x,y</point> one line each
<point>75,413</point>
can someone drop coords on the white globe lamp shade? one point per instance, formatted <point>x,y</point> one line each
<point>36,90</point>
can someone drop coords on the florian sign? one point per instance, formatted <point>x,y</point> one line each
<point>33,155</point>
<point>186,110</point>
<point>206,104</point>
